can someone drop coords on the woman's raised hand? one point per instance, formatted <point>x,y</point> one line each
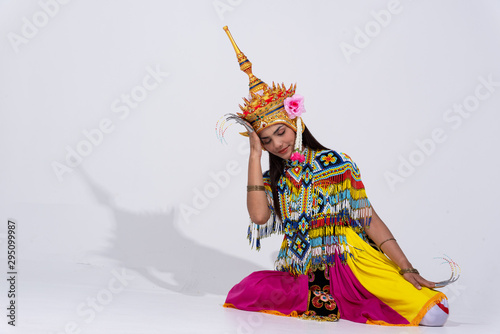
<point>255,144</point>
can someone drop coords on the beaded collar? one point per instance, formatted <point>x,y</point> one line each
<point>294,163</point>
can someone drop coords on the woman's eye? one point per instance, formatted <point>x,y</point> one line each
<point>281,133</point>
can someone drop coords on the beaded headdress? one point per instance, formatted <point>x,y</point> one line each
<point>268,105</point>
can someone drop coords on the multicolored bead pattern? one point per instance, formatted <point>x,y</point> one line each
<point>316,198</point>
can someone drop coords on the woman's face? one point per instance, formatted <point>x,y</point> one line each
<point>279,140</point>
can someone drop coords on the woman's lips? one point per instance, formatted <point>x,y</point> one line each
<point>283,150</point>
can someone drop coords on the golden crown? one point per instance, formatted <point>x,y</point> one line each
<point>265,106</point>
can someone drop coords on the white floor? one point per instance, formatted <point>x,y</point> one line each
<point>81,298</point>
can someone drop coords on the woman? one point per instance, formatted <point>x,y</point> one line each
<point>331,263</point>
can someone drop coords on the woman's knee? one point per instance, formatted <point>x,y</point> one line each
<point>437,315</point>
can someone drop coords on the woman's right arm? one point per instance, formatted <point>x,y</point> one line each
<point>257,203</point>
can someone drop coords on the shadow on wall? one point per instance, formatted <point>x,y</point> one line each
<point>151,245</point>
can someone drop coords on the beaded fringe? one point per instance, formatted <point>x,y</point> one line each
<point>344,204</point>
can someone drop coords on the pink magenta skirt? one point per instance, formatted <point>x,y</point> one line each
<point>366,290</point>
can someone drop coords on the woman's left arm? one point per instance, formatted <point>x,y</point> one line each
<point>380,234</point>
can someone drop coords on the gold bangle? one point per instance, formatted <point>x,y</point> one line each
<point>408,270</point>
<point>379,246</point>
<point>256,188</point>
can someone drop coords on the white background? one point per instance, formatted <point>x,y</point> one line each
<point>143,199</point>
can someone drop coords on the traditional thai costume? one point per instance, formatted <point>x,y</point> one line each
<point>327,267</point>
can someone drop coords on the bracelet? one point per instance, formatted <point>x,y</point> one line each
<point>379,246</point>
<point>408,270</point>
<point>256,188</point>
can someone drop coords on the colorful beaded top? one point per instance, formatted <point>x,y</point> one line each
<point>319,198</point>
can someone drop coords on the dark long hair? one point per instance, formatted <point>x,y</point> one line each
<point>277,165</point>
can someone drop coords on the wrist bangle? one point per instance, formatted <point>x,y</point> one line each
<point>256,188</point>
<point>408,270</point>
<point>383,242</point>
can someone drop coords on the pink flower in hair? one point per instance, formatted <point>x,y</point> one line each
<point>294,106</point>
